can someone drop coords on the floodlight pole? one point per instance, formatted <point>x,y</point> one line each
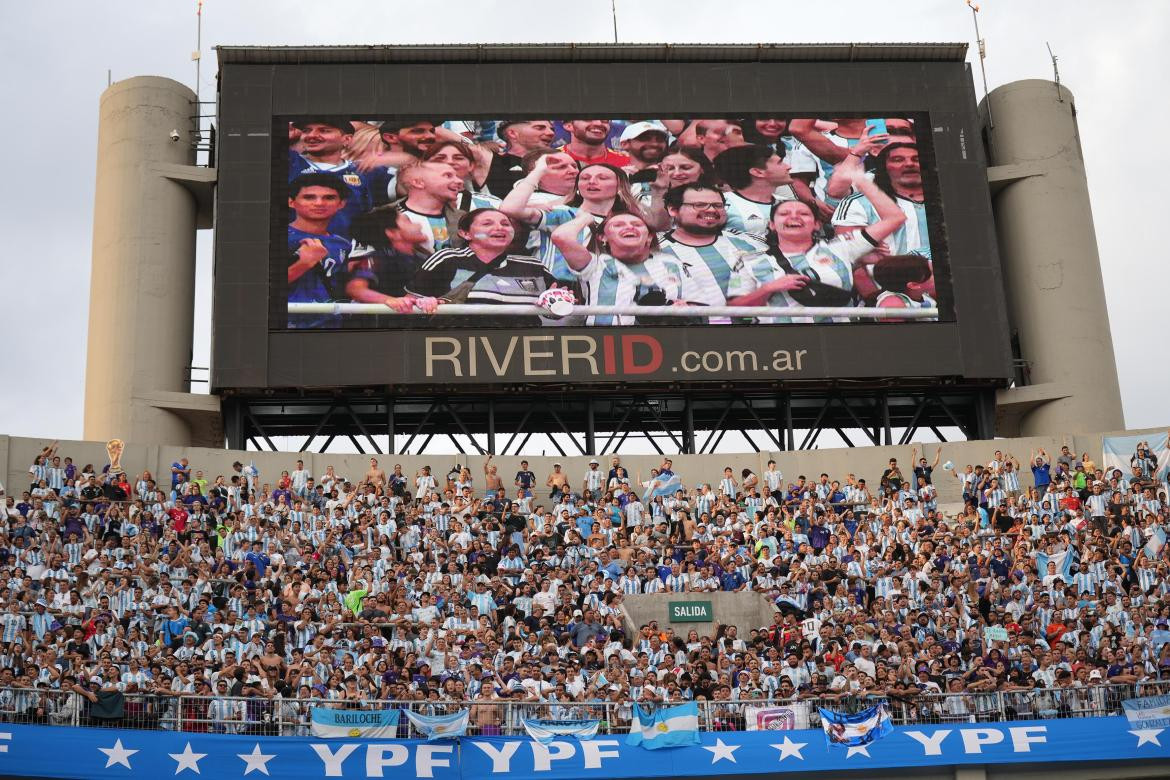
<point>613,9</point>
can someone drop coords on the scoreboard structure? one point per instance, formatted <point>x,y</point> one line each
<point>681,385</point>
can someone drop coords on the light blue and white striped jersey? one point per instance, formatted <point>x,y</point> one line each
<point>545,251</point>
<point>707,269</point>
<point>831,262</point>
<point>747,215</point>
<point>607,281</point>
<point>911,238</point>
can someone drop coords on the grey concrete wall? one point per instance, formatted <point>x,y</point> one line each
<point>1052,272</point>
<point>142,286</point>
<point>17,453</point>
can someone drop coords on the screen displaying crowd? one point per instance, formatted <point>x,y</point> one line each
<point>691,216</point>
<point>490,587</point>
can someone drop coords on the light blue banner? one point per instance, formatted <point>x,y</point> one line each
<point>60,752</point>
<point>377,724</point>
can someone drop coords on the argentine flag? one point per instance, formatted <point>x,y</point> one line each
<point>440,726</point>
<point>663,486</point>
<point>864,728</point>
<point>545,731</point>
<point>1063,563</point>
<point>1156,543</point>
<point>665,727</point>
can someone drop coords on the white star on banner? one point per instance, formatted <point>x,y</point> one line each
<point>721,751</point>
<point>118,755</point>
<point>187,759</point>
<point>789,748</point>
<point>856,749</point>
<point>256,760</point>
<point>1149,736</point>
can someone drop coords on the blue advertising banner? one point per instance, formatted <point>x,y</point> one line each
<point>110,753</point>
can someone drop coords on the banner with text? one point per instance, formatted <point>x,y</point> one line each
<point>35,751</point>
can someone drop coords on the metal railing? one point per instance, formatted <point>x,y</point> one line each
<point>498,310</point>
<point>290,717</point>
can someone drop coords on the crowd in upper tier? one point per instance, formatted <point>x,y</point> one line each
<point>490,587</point>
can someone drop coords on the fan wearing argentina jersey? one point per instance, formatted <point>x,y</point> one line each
<point>432,190</point>
<point>406,140</point>
<point>483,272</point>
<point>802,164</point>
<point>792,249</point>
<point>323,143</point>
<point>683,165</point>
<point>461,157</point>
<point>384,258</point>
<point>705,251</point>
<point>898,174</point>
<point>316,257</point>
<point>831,146</point>
<point>754,173</point>
<point>600,190</point>
<point>907,282</point>
<point>620,266</point>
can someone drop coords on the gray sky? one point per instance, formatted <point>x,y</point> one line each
<point>56,55</point>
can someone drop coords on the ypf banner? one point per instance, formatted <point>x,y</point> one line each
<point>36,751</point>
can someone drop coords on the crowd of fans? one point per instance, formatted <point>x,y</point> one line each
<point>354,588</point>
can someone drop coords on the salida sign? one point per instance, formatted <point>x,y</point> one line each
<point>549,357</point>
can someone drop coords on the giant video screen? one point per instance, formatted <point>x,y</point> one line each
<point>418,223</point>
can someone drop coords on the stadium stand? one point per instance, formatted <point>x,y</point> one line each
<point>202,601</point>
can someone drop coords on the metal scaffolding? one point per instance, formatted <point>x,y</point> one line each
<point>574,422</point>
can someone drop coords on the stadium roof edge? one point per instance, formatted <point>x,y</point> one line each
<point>593,52</point>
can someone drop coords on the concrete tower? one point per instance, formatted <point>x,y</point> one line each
<point>147,208</point>
<point>1052,272</point>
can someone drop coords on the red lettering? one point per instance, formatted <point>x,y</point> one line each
<point>630,365</point>
<point>607,345</point>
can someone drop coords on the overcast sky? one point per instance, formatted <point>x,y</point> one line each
<point>55,58</point>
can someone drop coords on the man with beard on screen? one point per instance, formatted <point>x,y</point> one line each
<point>706,251</point>
<point>587,143</point>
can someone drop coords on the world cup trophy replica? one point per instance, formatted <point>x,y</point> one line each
<point>114,449</point>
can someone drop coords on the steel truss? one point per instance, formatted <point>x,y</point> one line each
<point>607,421</point>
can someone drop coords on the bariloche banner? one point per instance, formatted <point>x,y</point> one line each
<point>368,724</point>
<point>36,751</point>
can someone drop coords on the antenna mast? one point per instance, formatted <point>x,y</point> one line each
<point>982,45</point>
<point>1055,73</point>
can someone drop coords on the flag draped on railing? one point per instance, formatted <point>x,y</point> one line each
<point>864,728</point>
<point>665,727</point>
<point>440,726</point>
<point>545,731</point>
<point>368,724</point>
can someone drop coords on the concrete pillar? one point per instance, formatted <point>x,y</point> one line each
<point>1052,272</point>
<point>142,287</point>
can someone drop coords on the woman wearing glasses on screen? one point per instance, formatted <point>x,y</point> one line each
<point>794,251</point>
<point>618,265</point>
<point>483,271</point>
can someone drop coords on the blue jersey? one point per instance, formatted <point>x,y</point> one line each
<point>360,198</point>
<point>324,281</point>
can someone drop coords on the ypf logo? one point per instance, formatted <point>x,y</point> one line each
<point>5,735</point>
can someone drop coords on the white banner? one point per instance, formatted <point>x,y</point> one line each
<point>784,717</point>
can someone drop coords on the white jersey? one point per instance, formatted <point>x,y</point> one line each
<point>706,270</point>
<point>912,238</point>
<point>750,274</point>
<point>607,281</point>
